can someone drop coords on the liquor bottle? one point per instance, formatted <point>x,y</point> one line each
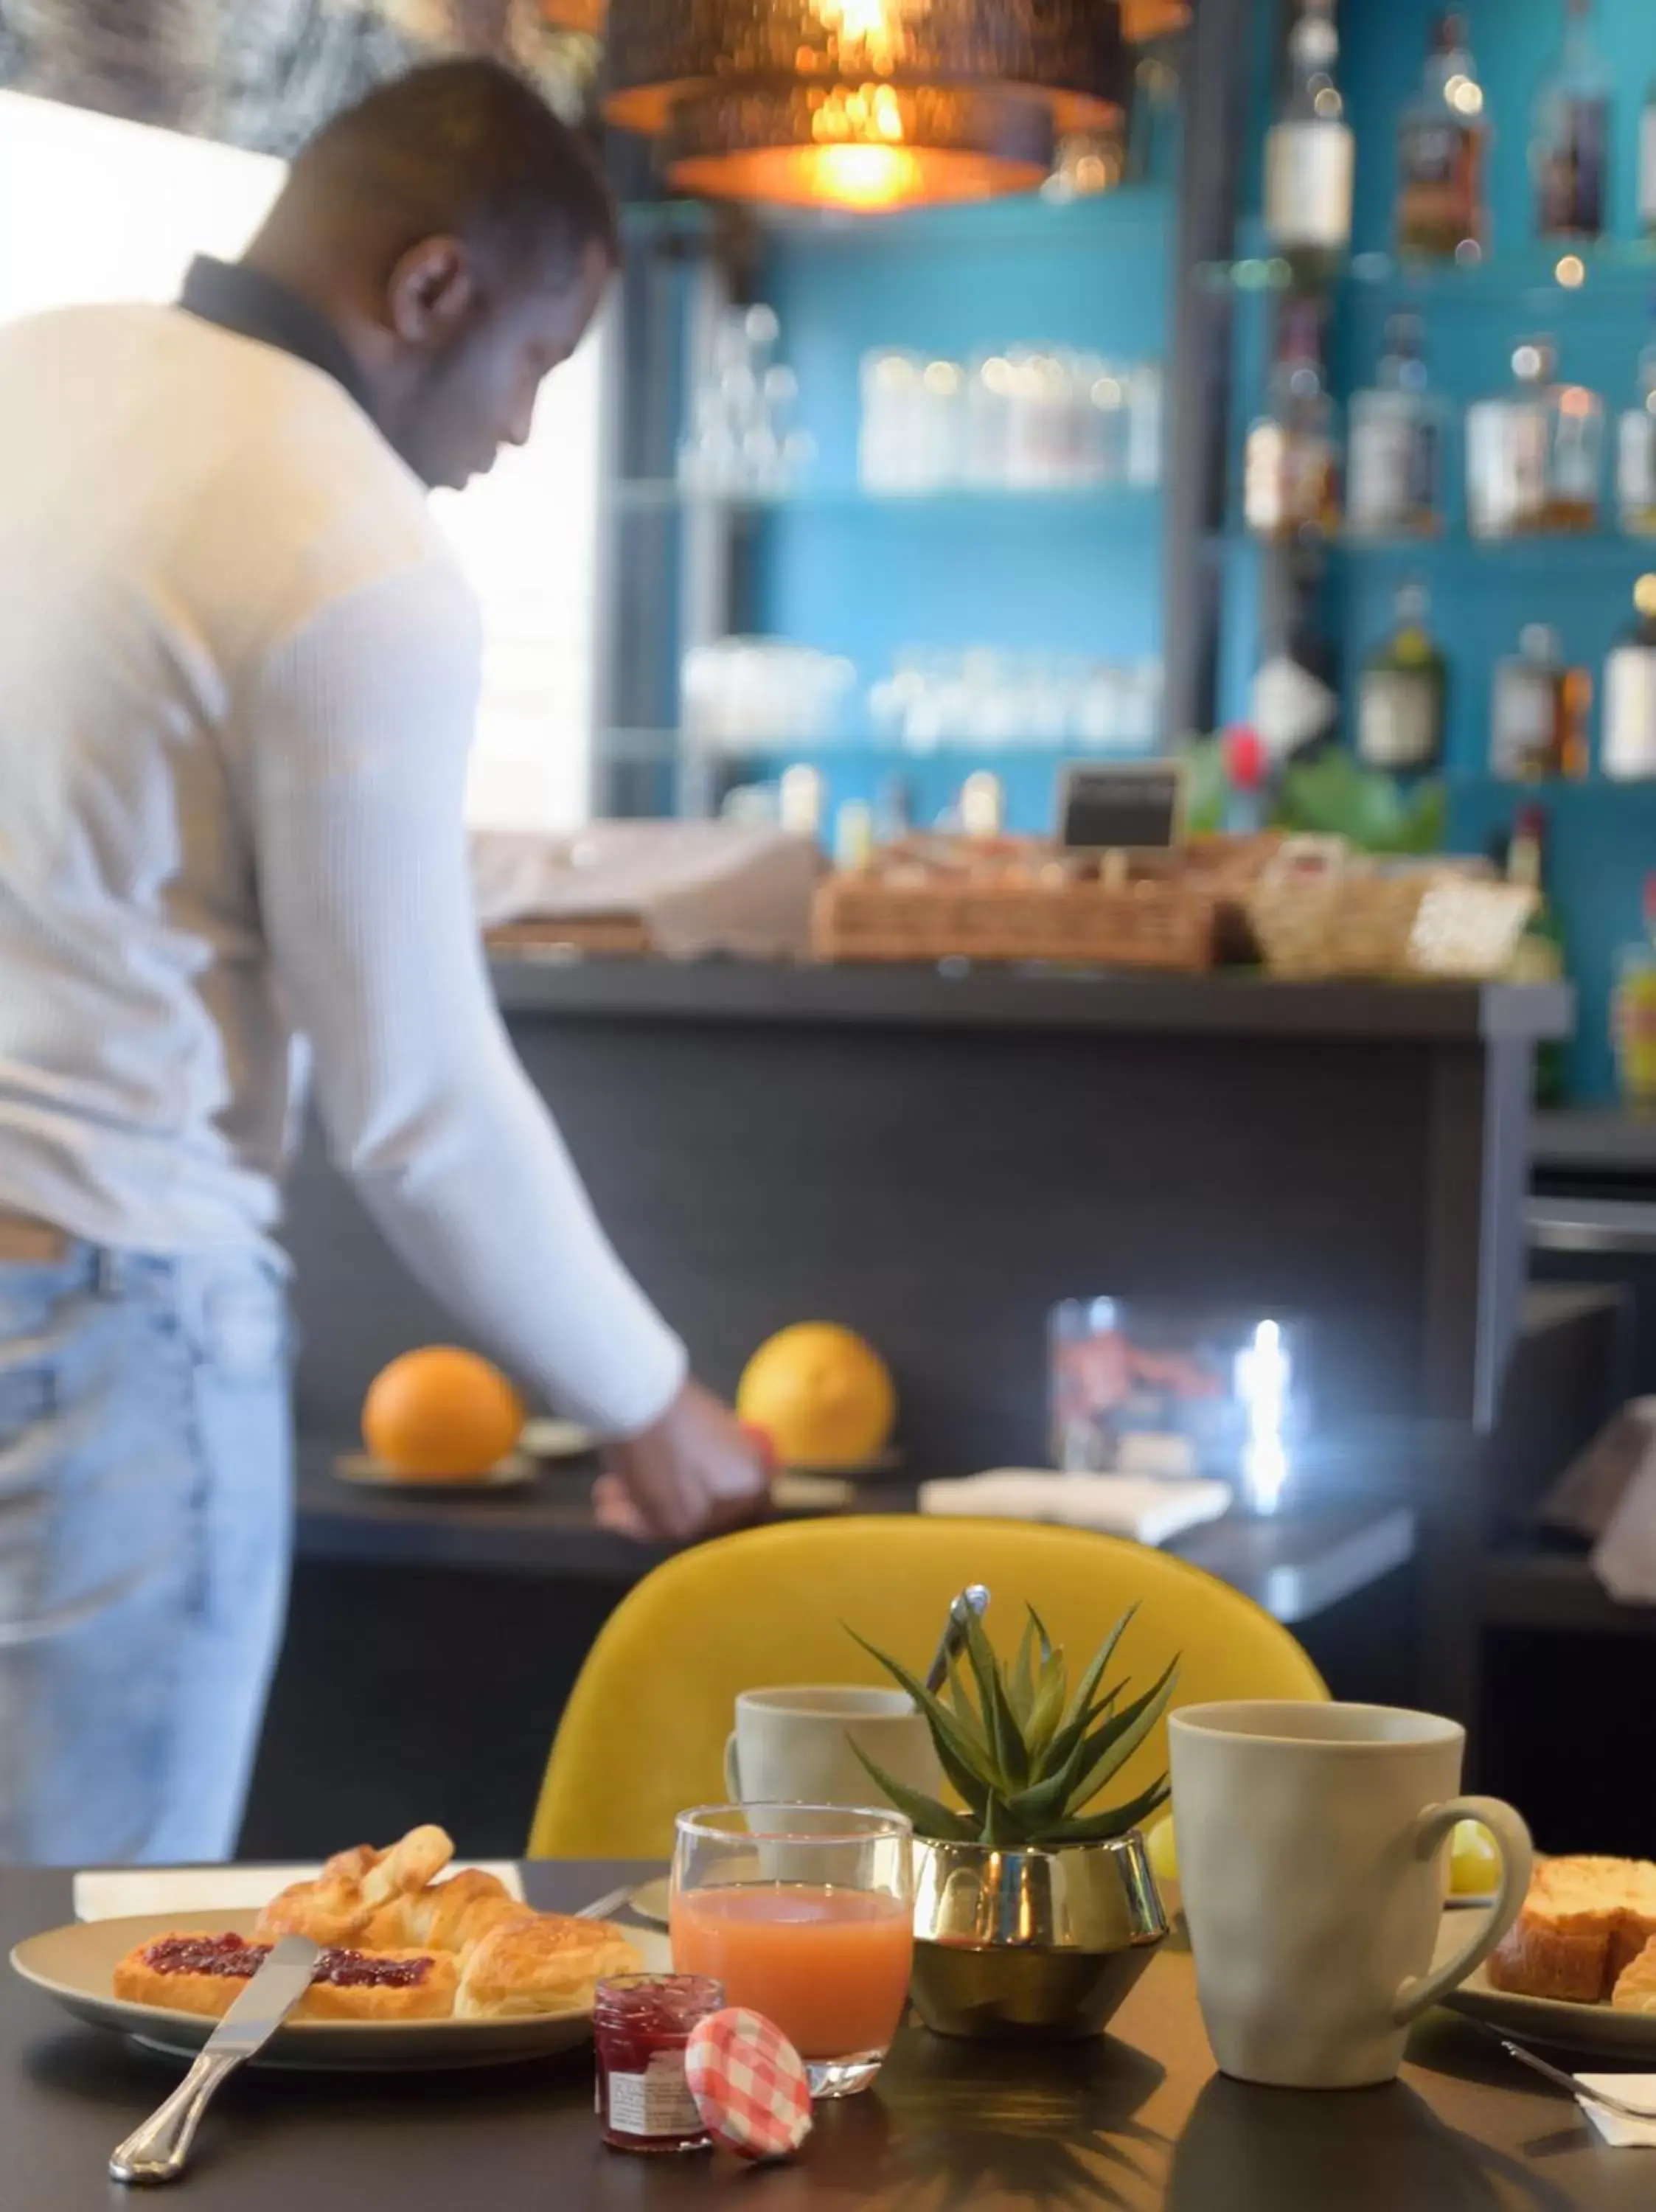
<point>1402,693</point>
<point>1290,476</point>
<point>1539,711</point>
<point>1633,1013</point>
<point>1569,153</point>
<point>1635,455</point>
<point>1542,954</point>
<point>1294,704</point>
<point>1310,151</point>
<point>1441,145</point>
<point>1629,750</point>
<point>1534,455</point>
<point>1394,469</point>
<point>1647,165</point>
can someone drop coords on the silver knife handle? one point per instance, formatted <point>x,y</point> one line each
<point>159,2149</point>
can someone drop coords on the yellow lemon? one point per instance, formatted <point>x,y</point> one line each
<point>1163,1850</point>
<point>1474,1861</point>
<point>441,1414</point>
<point>823,1396</point>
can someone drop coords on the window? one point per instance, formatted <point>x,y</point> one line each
<point>94,208</point>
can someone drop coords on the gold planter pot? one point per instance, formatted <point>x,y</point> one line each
<point>1033,1943</point>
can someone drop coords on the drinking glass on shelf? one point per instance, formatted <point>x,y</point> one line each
<point>806,1914</point>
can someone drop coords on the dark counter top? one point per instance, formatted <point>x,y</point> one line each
<point>1223,1005</point>
<point>1138,2119</point>
<point>1597,1142</point>
<point>1295,1565</point>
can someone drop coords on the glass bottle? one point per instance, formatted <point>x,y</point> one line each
<point>1394,468</point>
<point>1534,455</point>
<point>1290,484</point>
<point>1441,144</point>
<point>1293,704</point>
<point>1635,455</point>
<point>1539,711</point>
<point>1310,151</point>
<point>1633,1014</point>
<point>1542,954</point>
<point>1402,692</point>
<point>1570,151</point>
<point>1629,750</point>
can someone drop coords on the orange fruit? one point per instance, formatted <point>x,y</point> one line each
<point>440,1412</point>
<point>823,1396</point>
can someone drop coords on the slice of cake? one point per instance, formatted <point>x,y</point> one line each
<point>1584,1922</point>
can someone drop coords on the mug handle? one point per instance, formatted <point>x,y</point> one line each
<point>1422,1991</point>
<point>732,1772</point>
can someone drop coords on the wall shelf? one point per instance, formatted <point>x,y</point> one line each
<point>1559,269</point>
<point>1130,505</point>
<point>1612,549</point>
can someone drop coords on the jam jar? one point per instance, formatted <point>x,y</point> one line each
<point>641,2023</point>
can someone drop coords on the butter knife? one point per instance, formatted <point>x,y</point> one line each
<point>159,2149</point>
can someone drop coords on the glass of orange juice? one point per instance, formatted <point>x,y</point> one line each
<point>806,1914</point>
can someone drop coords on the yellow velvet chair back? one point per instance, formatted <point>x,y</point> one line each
<point>643,1734</point>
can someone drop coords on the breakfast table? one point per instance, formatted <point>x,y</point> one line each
<point>1140,2119</point>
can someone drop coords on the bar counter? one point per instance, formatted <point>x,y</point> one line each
<point>933,1159</point>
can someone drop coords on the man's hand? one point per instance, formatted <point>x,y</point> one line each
<point>696,1473</point>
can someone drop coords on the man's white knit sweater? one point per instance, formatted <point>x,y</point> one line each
<point>239,670</point>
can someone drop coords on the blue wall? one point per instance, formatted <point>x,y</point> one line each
<point>1065,574</point>
<point>1604,836</point>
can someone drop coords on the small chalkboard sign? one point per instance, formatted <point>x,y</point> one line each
<point>1108,806</point>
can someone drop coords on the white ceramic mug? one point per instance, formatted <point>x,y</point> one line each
<point>793,1746</point>
<point>1312,1848</point>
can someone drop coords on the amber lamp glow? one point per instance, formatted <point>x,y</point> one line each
<point>865,105</point>
<point>1145,20</point>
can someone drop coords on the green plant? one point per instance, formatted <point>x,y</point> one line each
<point>1026,1757</point>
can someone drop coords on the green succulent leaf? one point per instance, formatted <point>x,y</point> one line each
<point>1104,1827</point>
<point>1046,1640</point>
<point>935,1822</point>
<point>1048,1707</point>
<point>1011,1752</point>
<point>1113,1745</point>
<point>1020,1678</point>
<point>962,1755</point>
<point>1077,1720</point>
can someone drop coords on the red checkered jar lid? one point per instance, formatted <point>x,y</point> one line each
<point>749,2084</point>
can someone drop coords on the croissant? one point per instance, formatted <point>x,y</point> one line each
<point>452,1916</point>
<point>344,1903</point>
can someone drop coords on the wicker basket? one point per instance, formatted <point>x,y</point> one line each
<point>934,900</point>
<point>1422,923</point>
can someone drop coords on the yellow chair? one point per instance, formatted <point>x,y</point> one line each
<point>643,1734</point>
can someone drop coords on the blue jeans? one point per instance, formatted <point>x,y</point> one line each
<point>145,1533</point>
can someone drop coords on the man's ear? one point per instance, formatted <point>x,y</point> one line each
<point>433,293</point>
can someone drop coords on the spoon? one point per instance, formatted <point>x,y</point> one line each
<point>973,1600</point>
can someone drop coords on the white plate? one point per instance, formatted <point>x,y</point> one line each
<point>1596,2028</point>
<point>373,1475</point>
<point>548,1438</point>
<point>76,1966</point>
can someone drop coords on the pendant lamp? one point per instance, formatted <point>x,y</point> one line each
<point>867,105</point>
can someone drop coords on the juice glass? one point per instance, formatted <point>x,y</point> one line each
<point>806,1914</point>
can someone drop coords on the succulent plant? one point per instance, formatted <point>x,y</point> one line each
<point>1026,1758</point>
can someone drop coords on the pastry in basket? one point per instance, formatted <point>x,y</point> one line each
<point>541,1964</point>
<point>339,1905</point>
<point>1584,1924</point>
<point>452,1916</point>
<point>207,1974</point>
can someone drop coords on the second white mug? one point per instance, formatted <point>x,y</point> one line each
<point>793,1746</point>
<point>1312,1845</point>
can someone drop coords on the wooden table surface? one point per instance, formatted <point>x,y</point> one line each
<point>1139,2120</point>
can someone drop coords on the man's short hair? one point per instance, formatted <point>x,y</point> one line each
<point>463,148</point>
